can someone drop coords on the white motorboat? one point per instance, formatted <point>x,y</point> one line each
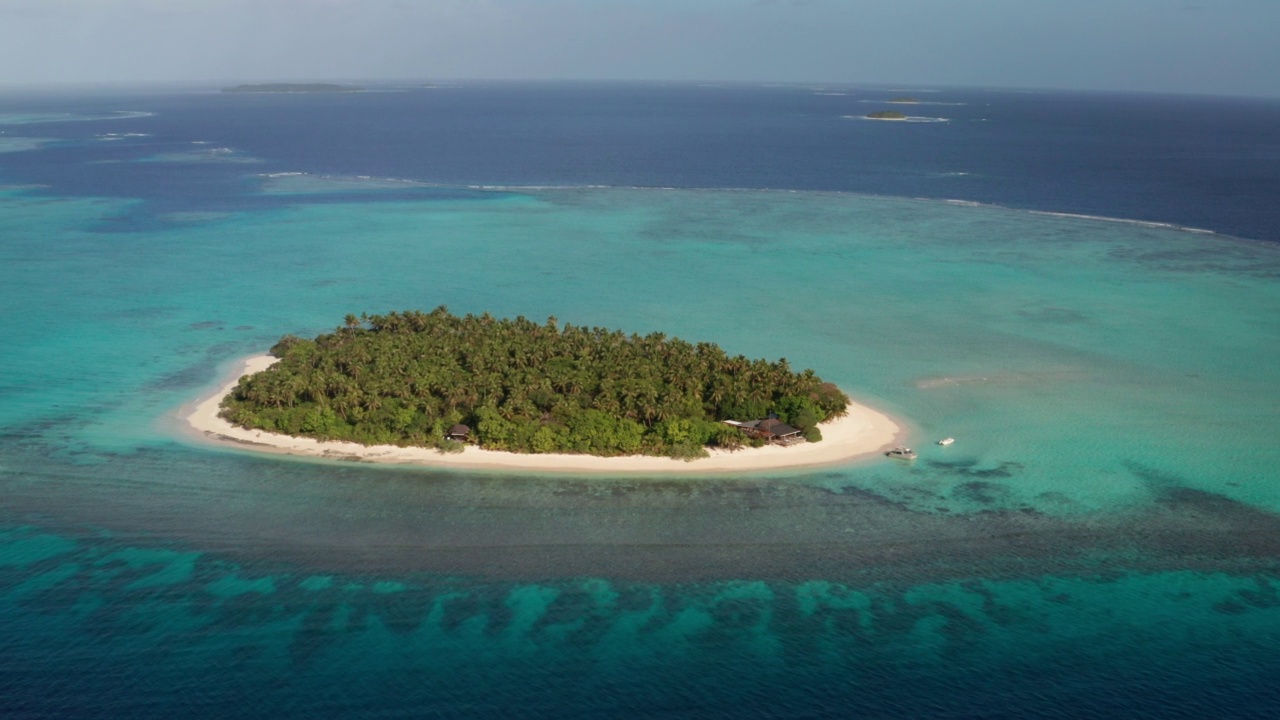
<point>946,441</point>
<point>902,453</point>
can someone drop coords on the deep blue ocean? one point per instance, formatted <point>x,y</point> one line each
<point>1083,289</point>
<point>1203,162</point>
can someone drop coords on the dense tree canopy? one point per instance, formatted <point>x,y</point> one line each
<point>406,378</point>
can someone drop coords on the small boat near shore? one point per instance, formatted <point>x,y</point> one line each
<point>946,441</point>
<point>902,453</point>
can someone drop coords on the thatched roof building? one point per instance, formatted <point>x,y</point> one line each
<point>771,429</point>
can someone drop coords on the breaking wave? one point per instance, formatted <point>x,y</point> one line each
<point>38,118</point>
<point>211,155</point>
<point>303,183</point>
<point>907,119</point>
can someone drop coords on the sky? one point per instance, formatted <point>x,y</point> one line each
<point>1229,47</point>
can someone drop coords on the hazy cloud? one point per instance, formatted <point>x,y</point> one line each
<point>1159,45</point>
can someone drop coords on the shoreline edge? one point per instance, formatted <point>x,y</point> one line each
<point>861,433</point>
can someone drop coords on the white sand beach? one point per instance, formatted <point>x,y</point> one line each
<point>862,432</point>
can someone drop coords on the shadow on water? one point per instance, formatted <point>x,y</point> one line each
<point>354,518</point>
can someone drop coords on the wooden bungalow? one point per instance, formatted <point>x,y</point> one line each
<point>459,432</point>
<point>770,429</point>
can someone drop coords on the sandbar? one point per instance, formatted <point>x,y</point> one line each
<point>861,433</point>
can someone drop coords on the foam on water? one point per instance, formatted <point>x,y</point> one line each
<point>1144,223</point>
<point>302,183</point>
<point>115,137</point>
<point>211,155</point>
<point>907,119</point>
<point>21,144</point>
<point>41,118</point>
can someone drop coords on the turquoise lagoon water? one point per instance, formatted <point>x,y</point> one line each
<point>1085,357</point>
<point>1102,535</point>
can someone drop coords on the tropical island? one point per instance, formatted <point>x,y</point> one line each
<point>293,88</point>
<point>436,380</point>
<point>886,115</point>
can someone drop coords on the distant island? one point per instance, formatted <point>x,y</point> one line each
<point>436,380</point>
<point>886,115</point>
<point>904,100</point>
<point>293,88</point>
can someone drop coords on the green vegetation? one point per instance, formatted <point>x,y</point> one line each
<point>292,88</point>
<point>407,378</point>
<point>886,115</point>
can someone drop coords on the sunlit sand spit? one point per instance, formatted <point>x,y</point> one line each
<point>862,432</point>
